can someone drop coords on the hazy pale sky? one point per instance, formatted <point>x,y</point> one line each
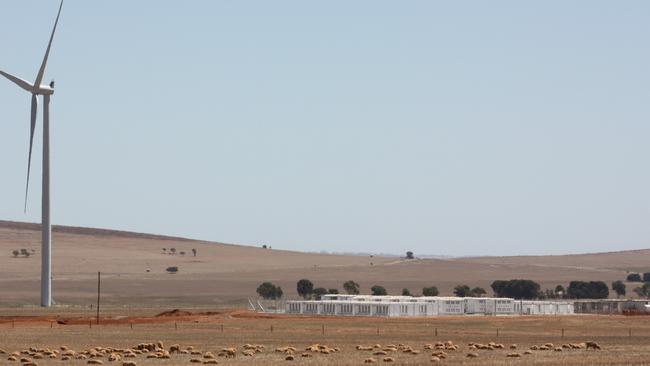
<point>457,128</point>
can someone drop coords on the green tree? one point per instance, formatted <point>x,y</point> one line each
<point>406,292</point>
<point>588,290</point>
<point>619,288</point>
<point>351,287</point>
<point>462,291</point>
<point>646,277</point>
<point>643,291</point>
<point>333,291</point>
<point>305,288</point>
<point>477,292</point>
<point>318,292</point>
<point>430,291</point>
<point>409,255</point>
<point>267,290</point>
<point>560,292</point>
<point>517,289</point>
<point>377,290</point>
<point>634,277</point>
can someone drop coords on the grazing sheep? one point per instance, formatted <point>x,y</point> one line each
<point>435,359</point>
<point>95,362</point>
<point>175,348</point>
<point>210,362</point>
<point>534,347</point>
<point>514,354</point>
<point>364,348</point>
<point>290,358</point>
<point>377,345</point>
<point>129,363</point>
<point>12,358</point>
<point>25,360</point>
<point>114,357</point>
<point>439,354</point>
<point>196,360</point>
<point>390,349</point>
<point>528,353</point>
<point>472,355</point>
<point>558,349</point>
<point>428,346</point>
<point>208,355</point>
<point>388,359</point>
<point>380,353</point>
<point>228,352</point>
<point>591,344</point>
<point>306,355</point>
<point>65,358</point>
<point>549,345</point>
<point>513,346</point>
<point>248,352</point>
<point>30,364</point>
<point>369,360</point>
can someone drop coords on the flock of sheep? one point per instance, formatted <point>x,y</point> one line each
<point>127,356</point>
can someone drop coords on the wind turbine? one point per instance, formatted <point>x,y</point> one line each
<point>46,91</point>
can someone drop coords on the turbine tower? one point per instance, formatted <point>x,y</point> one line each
<point>46,91</point>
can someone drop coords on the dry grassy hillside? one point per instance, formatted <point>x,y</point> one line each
<point>133,269</point>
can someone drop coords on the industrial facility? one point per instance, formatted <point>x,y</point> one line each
<point>408,306</point>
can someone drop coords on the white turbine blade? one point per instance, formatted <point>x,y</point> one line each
<point>31,142</point>
<point>18,81</point>
<point>41,71</point>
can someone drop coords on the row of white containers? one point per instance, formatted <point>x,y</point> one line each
<point>405,306</point>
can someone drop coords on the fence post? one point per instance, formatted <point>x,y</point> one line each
<point>497,332</point>
<point>175,326</point>
<point>629,332</point>
<point>221,328</point>
<point>436,332</point>
<point>131,324</point>
<point>271,328</point>
<point>562,332</point>
<point>323,328</point>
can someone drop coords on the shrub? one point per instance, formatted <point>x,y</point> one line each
<point>15,253</point>
<point>409,255</point>
<point>319,292</point>
<point>377,290</point>
<point>477,292</point>
<point>462,291</point>
<point>351,287</point>
<point>646,277</point>
<point>333,291</point>
<point>634,277</point>
<point>173,269</point>
<point>406,292</point>
<point>643,291</point>
<point>430,291</point>
<point>305,288</point>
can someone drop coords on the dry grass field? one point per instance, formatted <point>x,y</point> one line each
<point>205,334</point>
<point>133,269</point>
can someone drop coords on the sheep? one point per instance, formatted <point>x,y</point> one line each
<point>208,355</point>
<point>380,353</point>
<point>472,355</point>
<point>513,346</point>
<point>210,362</point>
<point>175,348</point>
<point>549,345</point>
<point>65,358</point>
<point>513,354</point>
<point>369,360</point>
<point>364,348</point>
<point>30,364</point>
<point>591,344</point>
<point>290,358</point>
<point>114,357</point>
<point>439,354</point>
<point>388,359</point>
<point>528,352</point>
<point>228,352</point>
<point>129,363</point>
<point>25,360</point>
<point>435,359</point>
<point>196,360</point>
<point>248,352</point>
<point>95,362</point>
<point>12,358</point>
<point>306,355</point>
<point>557,349</point>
